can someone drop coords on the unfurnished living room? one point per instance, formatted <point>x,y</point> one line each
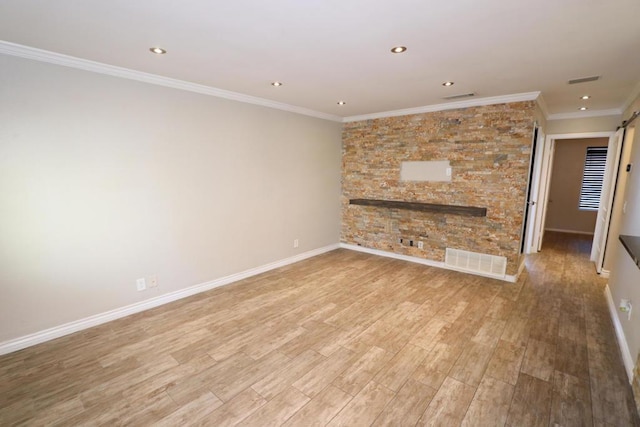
<point>310,213</point>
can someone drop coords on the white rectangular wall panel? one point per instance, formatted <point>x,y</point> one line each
<point>437,170</point>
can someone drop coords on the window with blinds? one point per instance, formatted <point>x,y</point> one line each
<point>592,178</point>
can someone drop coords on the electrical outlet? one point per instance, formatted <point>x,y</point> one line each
<point>420,245</point>
<point>153,281</point>
<point>626,307</point>
<point>295,243</point>
<point>141,284</point>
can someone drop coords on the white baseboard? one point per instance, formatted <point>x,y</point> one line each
<point>430,263</point>
<point>622,340</point>
<point>560,230</point>
<point>521,268</point>
<point>98,319</point>
<point>604,273</point>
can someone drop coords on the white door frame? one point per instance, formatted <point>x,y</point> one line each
<point>601,233</point>
<point>543,178</point>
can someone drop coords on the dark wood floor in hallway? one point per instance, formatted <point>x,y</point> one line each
<point>344,339</point>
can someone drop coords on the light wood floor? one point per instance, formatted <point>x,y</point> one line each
<point>344,339</point>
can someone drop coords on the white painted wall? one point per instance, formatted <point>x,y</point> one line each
<point>625,275</point>
<point>587,124</point>
<point>619,202</point>
<point>104,180</point>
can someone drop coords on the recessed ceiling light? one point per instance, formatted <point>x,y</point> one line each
<point>585,97</point>
<point>583,108</point>
<point>276,84</point>
<point>158,50</point>
<point>398,49</point>
<point>448,84</point>
<point>341,102</point>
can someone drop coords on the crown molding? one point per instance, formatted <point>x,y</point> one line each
<point>41,55</point>
<point>585,114</point>
<point>635,93</point>
<point>27,52</point>
<point>503,99</point>
<point>543,106</point>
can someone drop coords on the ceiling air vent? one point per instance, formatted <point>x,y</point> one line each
<point>584,80</point>
<point>464,95</point>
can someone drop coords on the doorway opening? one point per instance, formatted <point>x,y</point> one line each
<point>559,210</point>
<point>542,177</point>
<point>567,207</point>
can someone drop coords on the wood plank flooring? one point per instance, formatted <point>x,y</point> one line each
<point>344,339</point>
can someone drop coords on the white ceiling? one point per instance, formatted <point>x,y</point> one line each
<point>330,50</point>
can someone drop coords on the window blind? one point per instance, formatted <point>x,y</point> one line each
<point>592,178</point>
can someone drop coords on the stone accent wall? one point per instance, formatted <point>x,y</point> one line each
<point>488,148</point>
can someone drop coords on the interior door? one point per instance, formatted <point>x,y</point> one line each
<point>534,228</point>
<point>606,199</point>
<point>550,150</point>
